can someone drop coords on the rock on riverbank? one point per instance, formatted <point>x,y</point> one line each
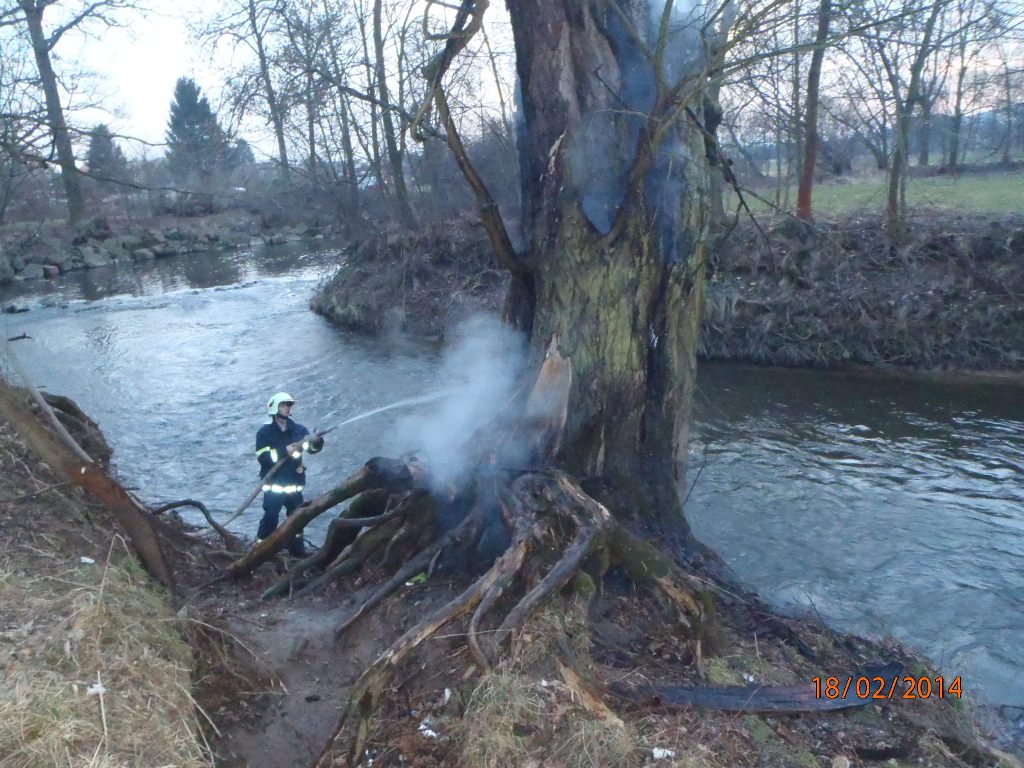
<point>27,254</point>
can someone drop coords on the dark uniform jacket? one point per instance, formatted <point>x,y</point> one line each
<point>271,444</point>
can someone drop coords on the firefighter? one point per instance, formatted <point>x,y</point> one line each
<point>283,437</point>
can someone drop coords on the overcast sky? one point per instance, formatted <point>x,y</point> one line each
<point>134,69</point>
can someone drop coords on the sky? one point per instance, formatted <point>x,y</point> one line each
<point>134,67</point>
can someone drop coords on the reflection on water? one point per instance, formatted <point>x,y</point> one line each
<point>889,507</point>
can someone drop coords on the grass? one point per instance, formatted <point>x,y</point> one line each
<point>98,674</point>
<point>997,192</point>
<point>513,718</point>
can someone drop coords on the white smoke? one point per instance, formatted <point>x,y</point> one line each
<point>685,44</point>
<point>481,369</point>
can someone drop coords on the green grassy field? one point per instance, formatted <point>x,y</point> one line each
<point>1001,192</point>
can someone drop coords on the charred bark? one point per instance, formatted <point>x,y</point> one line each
<point>617,254</point>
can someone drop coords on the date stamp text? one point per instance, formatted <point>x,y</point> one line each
<point>887,687</point>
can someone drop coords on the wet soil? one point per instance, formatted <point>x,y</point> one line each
<point>303,672</point>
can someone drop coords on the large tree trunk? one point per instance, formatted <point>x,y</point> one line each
<point>617,247</point>
<point>33,10</point>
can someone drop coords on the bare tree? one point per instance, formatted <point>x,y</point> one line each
<point>43,43</point>
<point>902,45</point>
<point>24,134</point>
<point>401,192</point>
<point>250,24</point>
<point>803,197</point>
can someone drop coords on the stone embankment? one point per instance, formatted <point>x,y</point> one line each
<point>28,255</point>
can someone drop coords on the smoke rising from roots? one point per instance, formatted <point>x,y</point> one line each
<point>482,369</point>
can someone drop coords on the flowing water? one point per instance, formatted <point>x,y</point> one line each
<point>888,507</point>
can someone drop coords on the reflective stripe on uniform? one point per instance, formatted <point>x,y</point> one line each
<point>275,488</point>
<point>273,453</point>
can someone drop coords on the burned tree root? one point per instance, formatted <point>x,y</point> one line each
<point>555,529</point>
<point>367,511</point>
<point>554,536</point>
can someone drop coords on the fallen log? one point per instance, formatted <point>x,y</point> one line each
<point>57,448</point>
<point>375,473</point>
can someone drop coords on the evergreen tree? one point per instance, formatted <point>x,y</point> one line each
<point>197,147</point>
<point>241,154</point>
<point>105,159</point>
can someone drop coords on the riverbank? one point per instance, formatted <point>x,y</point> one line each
<point>947,297</point>
<point>98,668</point>
<point>32,252</point>
<point>420,283</point>
<point>98,663</point>
<point>95,667</point>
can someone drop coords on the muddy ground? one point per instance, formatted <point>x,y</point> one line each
<point>947,295</point>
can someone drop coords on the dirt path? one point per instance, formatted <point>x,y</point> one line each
<point>305,671</point>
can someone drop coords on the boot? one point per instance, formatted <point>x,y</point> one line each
<point>297,546</point>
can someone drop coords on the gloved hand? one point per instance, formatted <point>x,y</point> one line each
<point>294,450</point>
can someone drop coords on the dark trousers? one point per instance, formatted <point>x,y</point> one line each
<point>272,503</point>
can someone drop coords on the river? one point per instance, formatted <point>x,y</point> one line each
<point>888,507</point>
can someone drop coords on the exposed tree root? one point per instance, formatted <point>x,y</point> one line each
<point>351,558</point>
<point>546,514</point>
<point>366,693</point>
<point>507,567</point>
<point>230,540</point>
<point>412,567</point>
<point>376,473</point>
<point>346,523</point>
<point>539,532</point>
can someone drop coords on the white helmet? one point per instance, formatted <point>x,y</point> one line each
<point>276,400</point>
